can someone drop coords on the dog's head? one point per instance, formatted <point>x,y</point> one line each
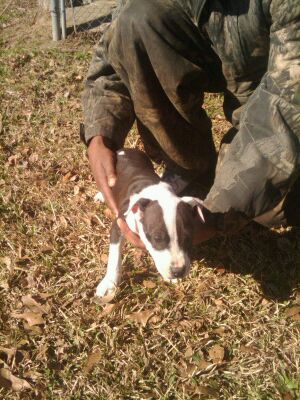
<point>166,227</point>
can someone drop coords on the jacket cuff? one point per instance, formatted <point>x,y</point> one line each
<point>87,134</point>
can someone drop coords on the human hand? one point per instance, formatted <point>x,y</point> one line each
<point>103,165</point>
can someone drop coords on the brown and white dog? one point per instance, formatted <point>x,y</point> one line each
<point>164,221</point>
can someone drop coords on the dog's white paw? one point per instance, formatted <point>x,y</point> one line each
<point>99,197</point>
<point>173,281</point>
<point>106,287</point>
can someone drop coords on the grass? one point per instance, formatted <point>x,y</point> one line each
<point>229,331</point>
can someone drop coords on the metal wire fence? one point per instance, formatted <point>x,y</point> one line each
<point>73,16</point>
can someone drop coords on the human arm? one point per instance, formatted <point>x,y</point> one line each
<point>258,168</point>
<point>108,116</point>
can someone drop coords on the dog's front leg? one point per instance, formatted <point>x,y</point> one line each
<point>113,274</point>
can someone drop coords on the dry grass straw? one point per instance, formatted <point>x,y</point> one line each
<point>229,331</point>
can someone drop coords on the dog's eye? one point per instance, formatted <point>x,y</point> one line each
<point>158,238</point>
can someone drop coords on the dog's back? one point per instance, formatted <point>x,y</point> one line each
<point>134,173</point>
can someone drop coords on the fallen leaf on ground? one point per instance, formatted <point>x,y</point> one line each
<point>45,295</point>
<point>76,190</point>
<point>33,158</point>
<point>109,308</point>
<point>149,284</point>
<point>66,177</point>
<point>220,270</point>
<point>9,381</point>
<point>95,220</point>
<point>109,214</point>
<point>33,305</point>
<point>104,258</point>
<point>63,221</point>
<point>288,396</point>
<point>91,361</point>
<point>32,318</point>
<point>203,364</point>
<point>141,317</point>
<point>248,349</point>
<point>216,353</point>
<point>292,311</point>
<point>205,390</point>
<point>6,261</point>
<point>187,369</point>
<point>9,352</point>
<point>188,352</point>
<point>219,303</point>
<point>221,331</point>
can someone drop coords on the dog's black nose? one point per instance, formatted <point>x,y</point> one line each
<point>178,272</point>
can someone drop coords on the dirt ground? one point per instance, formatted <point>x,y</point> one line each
<point>228,331</point>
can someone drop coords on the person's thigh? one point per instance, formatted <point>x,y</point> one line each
<point>167,65</point>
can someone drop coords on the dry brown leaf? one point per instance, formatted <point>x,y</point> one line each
<point>221,331</point>
<point>91,361</point>
<point>33,375</point>
<point>104,258</point>
<point>29,302</point>
<point>9,352</point>
<point>296,317</point>
<point>6,261</point>
<point>32,330</point>
<point>76,190</point>
<point>203,364</point>
<point>46,249</point>
<point>63,221</point>
<point>109,214</point>
<point>188,352</point>
<point>221,270</point>
<point>292,311</point>
<point>66,177</point>
<point>108,309</point>
<point>33,158</point>
<point>217,353</point>
<point>149,284</point>
<point>288,396</point>
<point>12,160</point>
<point>187,369</point>
<point>32,318</point>
<point>9,381</point>
<point>205,390</point>
<point>1,123</point>
<point>248,349</point>
<point>141,317</point>
<point>95,220</point>
<point>219,303</point>
<point>45,295</point>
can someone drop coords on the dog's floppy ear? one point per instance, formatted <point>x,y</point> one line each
<point>140,205</point>
<point>195,202</point>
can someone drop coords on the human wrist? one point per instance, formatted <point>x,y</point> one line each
<point>100,141</point>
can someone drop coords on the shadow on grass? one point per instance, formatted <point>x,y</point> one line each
<point>271,257</point>
<point>91,24</point>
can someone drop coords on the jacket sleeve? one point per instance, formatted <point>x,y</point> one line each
<point>257,169</point>
<point>107,106</point>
